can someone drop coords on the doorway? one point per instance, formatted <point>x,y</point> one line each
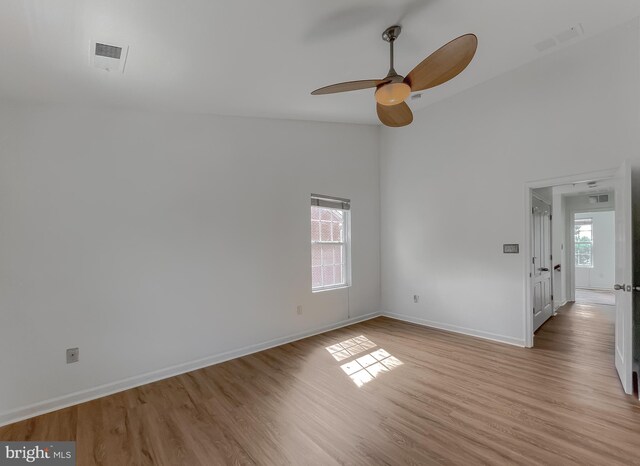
<point>594,264</point>
<point>616,186</point>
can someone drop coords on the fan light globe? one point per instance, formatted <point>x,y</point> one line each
<point>392,93</point>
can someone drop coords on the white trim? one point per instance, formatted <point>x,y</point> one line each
<point>595,288</point>
<point>53,404</point>
<point>599,175</point>
<point>526,249</point>
<point>455,329</point>
<point>330,288</point>
<point>555,309</point>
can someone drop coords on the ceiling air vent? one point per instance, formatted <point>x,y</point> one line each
<point>570,34</point>
<point>108,57</point>
<point>563,36</point>
<point>109,51</point>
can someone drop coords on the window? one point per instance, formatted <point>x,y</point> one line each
<point>329,242</point>
<point>584,242</point>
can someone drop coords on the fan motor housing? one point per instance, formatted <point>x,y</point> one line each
<point>391,33</point>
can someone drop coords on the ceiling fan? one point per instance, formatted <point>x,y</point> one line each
<point>391,92</point>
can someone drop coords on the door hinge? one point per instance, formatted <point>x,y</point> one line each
<point>551,297</point>
<point>550,217</point>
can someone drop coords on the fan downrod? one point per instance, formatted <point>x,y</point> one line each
<point>390,35</point>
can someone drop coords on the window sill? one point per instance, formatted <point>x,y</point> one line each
<point>584,266</point>
<point>337,287</point>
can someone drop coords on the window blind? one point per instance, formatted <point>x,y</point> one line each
<point>330,202</point>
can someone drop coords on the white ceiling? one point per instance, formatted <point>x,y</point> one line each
<point>263,58</point>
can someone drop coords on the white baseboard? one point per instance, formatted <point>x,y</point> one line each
<point>82,396</point>
<point>558,306</point>
<point>594,288</point>
<point>456,329</point>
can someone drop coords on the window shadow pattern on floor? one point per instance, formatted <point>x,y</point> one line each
<point>362,360</point>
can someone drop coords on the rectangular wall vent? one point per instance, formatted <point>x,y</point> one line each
<point>599,199</point>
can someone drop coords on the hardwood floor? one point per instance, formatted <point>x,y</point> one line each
<point>585,296</point>
<point>436,398</point>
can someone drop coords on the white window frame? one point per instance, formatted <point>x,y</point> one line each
<point>575,243</point>
<point>347,249</point>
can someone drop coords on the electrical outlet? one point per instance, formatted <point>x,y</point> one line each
<point>73,355</point>
<point>299,310</point>
<point>416,298</point>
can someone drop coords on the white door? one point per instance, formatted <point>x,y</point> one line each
<point>624,275</point>
<point>541,262</point>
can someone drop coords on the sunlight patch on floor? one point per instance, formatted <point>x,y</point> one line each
<point>362,369</point>
<point>351,347</point>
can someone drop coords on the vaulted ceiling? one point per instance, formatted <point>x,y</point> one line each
<point>263,58</point>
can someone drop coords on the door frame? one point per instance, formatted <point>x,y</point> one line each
<point>526,249</point>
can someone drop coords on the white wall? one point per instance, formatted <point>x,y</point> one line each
<point>603,273</point>
<point>152,240</point>
<point>452,183</point>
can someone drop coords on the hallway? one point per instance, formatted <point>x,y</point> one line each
<point>582,331</point>
<point>586,296</point>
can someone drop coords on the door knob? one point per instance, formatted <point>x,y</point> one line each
<point>543,269</point>
<point>618,287</point>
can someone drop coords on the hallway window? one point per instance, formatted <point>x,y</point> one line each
<point>584,242</point>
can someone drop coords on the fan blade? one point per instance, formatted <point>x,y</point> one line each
<point>444,64</point>
<point>348,86</point>
<point>395,115</point>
